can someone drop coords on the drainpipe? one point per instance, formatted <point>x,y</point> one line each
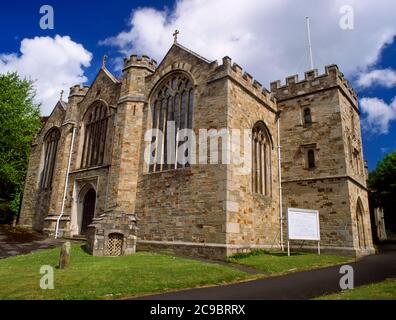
<point>280,185</point>
<point>66,184</point>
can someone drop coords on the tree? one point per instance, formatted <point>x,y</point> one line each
<point>19,122</point>
<point>382,182</point>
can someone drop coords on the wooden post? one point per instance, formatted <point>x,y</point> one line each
<point>318,247</point>
<point>288,248</point>
<point>64,259</point>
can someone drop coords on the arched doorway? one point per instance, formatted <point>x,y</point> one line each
<point>360,224</point>
<point>88,211</point>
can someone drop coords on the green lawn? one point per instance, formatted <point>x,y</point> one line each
<point>275,262</point>
<point>379,291</point>
<point>107,278</point>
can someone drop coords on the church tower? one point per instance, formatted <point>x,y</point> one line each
<point>322,157</point>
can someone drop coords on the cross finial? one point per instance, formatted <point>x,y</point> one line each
<point>175,35</point>
<point>104,61</point>
<point>61,95</point>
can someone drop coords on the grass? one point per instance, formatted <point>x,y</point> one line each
<point>275,262</point>
<point>379,291</point>
<point>107,277</point>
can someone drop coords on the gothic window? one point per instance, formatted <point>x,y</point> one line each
<point>173,103</point>
<point>50,147</point>
<point>261,166</point>
<point>95,136</point>
<point>311,159</point>
<point>307,117</point>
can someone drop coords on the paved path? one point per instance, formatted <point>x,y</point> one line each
<point>12,246</point>
<point>301,285</point>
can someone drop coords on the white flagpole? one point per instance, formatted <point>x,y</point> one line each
<point>310,43</point>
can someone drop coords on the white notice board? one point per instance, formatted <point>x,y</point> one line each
<point>303,224</point>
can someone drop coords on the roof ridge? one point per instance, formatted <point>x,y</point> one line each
<point>192,52</point>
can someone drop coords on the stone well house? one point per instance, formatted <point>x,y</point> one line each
<point>88,174</point>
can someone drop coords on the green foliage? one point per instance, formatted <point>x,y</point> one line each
<point>19,121</point>
<point>382,182</point>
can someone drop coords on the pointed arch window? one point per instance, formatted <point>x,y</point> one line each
<point>50,149</point>
<point>173,103</point>
<point>261,166</point>
<point>95,133</point>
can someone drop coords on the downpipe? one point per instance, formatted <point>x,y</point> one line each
<point>66,185</point>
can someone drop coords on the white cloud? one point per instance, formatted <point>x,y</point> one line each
<point>383,77</point>
<point>54,64</point>
<point>266,37</point>
<point>379,114</point>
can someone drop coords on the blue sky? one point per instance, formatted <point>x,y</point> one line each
<point>267,38</point>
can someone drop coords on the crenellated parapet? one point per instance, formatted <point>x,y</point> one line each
<point>314,82</point>
<point>144,61</point>
<point>78,90</point>
<point>244,79</point>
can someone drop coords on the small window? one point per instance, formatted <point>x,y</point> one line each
<point>311,159</point>
<point>352,122</point>
<point>307,117</point>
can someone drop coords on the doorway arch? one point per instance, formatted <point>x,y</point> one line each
<point>360,224</point>
<point>88,210</point>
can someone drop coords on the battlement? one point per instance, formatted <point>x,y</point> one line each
<point>78,90</point>
<point>143,61</point>
<point>246,80</point>
<point>313,82</point>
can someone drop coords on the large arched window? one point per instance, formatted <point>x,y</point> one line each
<point>261,165</point>
<point>95,136</point>
<point>50,147</point>
<point>173,102</point>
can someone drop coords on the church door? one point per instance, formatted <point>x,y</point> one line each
<point>88,211</point>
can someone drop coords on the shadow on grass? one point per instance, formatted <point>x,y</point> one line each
<point>255,253</point>
<point>84,248</point>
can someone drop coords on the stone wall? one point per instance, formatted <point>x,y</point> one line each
<point>252,219</point>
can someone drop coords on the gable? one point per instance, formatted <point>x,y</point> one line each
<point>55,119</point>
<point>180,58</point>
<point>105,87</point>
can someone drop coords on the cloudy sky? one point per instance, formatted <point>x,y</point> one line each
<point>267,38</point>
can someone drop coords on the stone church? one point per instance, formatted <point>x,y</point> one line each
<point>88,178</point>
